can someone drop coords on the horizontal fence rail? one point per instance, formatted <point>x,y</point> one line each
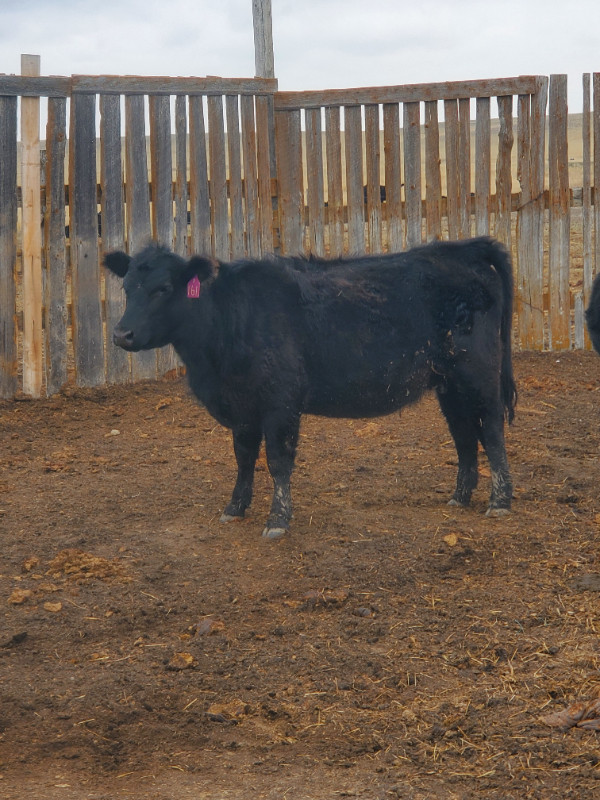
<point>235,168</point>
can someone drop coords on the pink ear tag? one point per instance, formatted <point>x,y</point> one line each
<point>193,288</point>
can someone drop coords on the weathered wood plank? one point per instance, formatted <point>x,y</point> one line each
<point>537,177</point>
<point>250,188</point>
<point>315,183</point>
<point>265,157</point>
<point>234,150</point>
<point>8,247</point>
<point>464,166</point>
<point>181,182</point>
<point>452,175</point>
<point>588,260</point>
<point>218,178</point>
<point>32,240</point>
<point>504,170</point>
<point>335,197</point>
<point>161,165</point>
<point>137,198</point>
<point>596,168</point>
<point>118,361</point>
<point>354,179</point>
<point>288,140</point>
<point>482,166</point>
<point>88,338</point>
<point>433,180</point>
<point>412,173</point>
<point>201,231</point>
<point>408,93</point>
<point>157,85</point>
<point>523,280</point>
<point>55,296</point>
<point>34,86</point>
<point>373,159</point>
<point>560,299</point>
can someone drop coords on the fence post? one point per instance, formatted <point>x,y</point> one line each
<point>32,235</point>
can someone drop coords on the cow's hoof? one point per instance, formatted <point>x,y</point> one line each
<point>497,512</point>
<point>274,533</point>
<point>230,517</point>
<point>457,504</point>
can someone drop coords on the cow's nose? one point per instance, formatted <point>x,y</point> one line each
<point>122,337</point>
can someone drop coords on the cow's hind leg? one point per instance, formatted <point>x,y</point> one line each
<point>492,439</point>
<point>465,430</point>
<point>246,444</point>
<point>281,438</point>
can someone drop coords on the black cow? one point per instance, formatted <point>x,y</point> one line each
<point>592,314</point>
<point>266,341</point>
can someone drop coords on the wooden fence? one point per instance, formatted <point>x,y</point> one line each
<point>234,168</point>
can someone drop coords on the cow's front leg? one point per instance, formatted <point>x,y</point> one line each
<point>246,444</point>
<point>281,439</point>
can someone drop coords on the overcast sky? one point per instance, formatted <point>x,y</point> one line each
<point>318,44</point>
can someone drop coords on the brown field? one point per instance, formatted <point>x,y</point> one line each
<point>388,647</point>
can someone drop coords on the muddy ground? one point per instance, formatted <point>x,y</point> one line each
<point>389,647</point>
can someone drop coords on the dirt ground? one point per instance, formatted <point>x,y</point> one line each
<point>389,647</point>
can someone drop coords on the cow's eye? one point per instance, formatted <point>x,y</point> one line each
<point>160,291</point>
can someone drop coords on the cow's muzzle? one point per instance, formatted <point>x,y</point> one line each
<point>123,338</point>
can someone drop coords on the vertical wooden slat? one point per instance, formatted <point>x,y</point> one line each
<point>354,179</point>
<point>181,183</point>
<point>335,196</point>
<point>537,176</point>
<point>560,300</point>
<point>200,214</point>
<point>523,303</point>
<point>452,178</point>
<point>137,199</point>
<point>118,362</point>
<point>234,150</point>
<point>55,295</point>
<point>161,164</point>
<point>433,180</point>
<point>504,171</point>
<point>218,178</point>
<point>8,247</point>
<point>88,338</point>
<point>314,177</point>
<point>588,262</point>
<point>266,171</point>
<point>464,166</point>
<point>373,153</point>
<point>32,241</point>
<point>251,189</point>
<point>482,166</point>
<point>412,173</point>
<point>596,175</point>
<point>288,140</point>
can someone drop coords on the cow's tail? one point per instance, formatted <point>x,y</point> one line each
<point>592,315</point>
<point>500,258</point>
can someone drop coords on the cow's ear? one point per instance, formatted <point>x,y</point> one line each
<point>200,267</point>
<point>117,262</point>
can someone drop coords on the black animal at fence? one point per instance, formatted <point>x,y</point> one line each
<point>266,341</point>
<point>592,314</point>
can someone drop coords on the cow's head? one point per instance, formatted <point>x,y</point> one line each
<point>155,282</point>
